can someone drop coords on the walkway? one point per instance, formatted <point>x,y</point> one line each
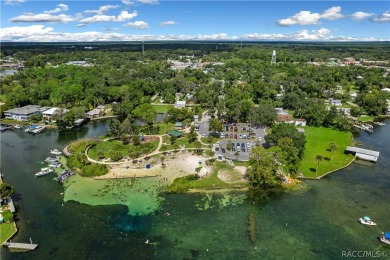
<point>155,152</point>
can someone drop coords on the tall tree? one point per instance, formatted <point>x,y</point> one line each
<point>318,159</point>
<point>332,148</point>
<point>263,169</point>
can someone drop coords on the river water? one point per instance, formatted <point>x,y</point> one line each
<point>318,222</point>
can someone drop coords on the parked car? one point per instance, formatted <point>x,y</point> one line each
<point>260,138</point>
<point>243,149</point>
<point>223,150</point>
<point>235,136</point>
<point>238,144</point>
<point>203,135</point>
<point>244,136</point>
<point>242,145</point>
<point>233,148</point>
<point>231,136</point>
<point>239,136</point>
<point>216,149</point>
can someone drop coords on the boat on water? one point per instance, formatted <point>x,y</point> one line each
<point>367,221</point>
<point>55,151</point>
<point>55,164</point>
<point>44,171</point>
<point>17,126</point>
<point>52,159</point>
<point>385,238</point>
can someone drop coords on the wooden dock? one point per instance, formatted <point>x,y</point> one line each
<point>21,246</point>
<point>364,154</point>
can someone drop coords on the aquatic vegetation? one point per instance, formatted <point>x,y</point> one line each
<point>252,227</point>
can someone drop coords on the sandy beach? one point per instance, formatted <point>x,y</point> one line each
<point>176,165</point>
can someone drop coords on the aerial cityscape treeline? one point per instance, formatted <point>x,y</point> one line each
<point>325,84</point>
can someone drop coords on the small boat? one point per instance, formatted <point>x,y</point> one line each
<point>55,164</point>
<point>44,171</point>
<point>17,126</point>
<point>367,221</point>
<point>55,151</point>
<point>385,238</point>
<point>51,159</point>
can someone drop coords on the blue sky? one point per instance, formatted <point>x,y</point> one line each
<point>127,20</point>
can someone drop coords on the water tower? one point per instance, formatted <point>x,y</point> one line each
<point>273,59</point>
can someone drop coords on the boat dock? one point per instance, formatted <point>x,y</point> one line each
<point>364,154</point>
<point>365,127</point>
<point>21,246</point>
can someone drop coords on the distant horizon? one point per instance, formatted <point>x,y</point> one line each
<point>162,20</point>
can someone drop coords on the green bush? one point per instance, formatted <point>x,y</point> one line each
<point>182,184</point>
<point>8,216</point>
<point>94,170</point>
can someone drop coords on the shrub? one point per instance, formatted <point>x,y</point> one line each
<point>94,170</point>
<point>8,216</point>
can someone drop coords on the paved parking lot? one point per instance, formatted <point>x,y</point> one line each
<point>243,146</point>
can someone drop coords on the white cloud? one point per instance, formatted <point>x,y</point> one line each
<point>81,24</point>
<point>332,13</point>
<point>40,33</point>
<point>42,18</point>
<point>139,25</point>
<point>148,2</point>
<point>127,2</point>
<point>309,18</point>
<point>302,18</point>
<point>162,24</point>
<point>123,16</point>
<point>385,17</point>
<point>14,2</point>
<point>102,9</point>
<point>361,15</point>
<point>59,8</point>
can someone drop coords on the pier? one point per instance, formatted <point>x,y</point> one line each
<point>21,246</point>
<point>364,154</point>
<point>365,127</point>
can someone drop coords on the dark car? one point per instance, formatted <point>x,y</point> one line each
<point>238,144</point>
<point>243,149</point>
<point>223,150</point>
<point>243,145</point>
<point>235,136</point>
<point>216,149</point>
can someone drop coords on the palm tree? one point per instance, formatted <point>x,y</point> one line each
<point>332,148</point>
<point>318,159</point>
<point>237,153</point>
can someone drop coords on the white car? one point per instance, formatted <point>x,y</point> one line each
<point>203,135</point>
<point>260,139</point>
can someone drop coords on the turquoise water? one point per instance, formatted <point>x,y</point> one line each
<point>318,222</point>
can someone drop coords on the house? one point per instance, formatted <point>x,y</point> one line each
<point>180,104</point>
<point>95,113</point>
<point>284,118</point>
<point>300,122</point>
<point>335,102</point>
<point>179,125</point>
<point>24,113</point>
<point>353,95</point>
<point>175,133</point>
<point>349,61</point>
<point>48,114</point>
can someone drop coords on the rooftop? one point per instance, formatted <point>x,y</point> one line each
<point>27,110</point>
<point>175,133</point>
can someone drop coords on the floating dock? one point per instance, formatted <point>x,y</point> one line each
<point>364,154</point>
<point>21,246</point>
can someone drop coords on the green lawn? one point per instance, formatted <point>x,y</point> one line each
<point>6,230</point>
<point>163,108</point>
<point>365,118</point>
<point>317,143</point>
<point>117,146</point>
<point>180,141</point>
<point>164,128</point>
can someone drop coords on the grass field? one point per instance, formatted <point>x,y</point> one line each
<point>6,230</point>
<point>365,118</point>
<point>162,108</point>
<point>180,141</point>
<point>317,143</point>
<point>115,145</point>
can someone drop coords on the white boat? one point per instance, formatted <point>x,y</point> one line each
<point>55,151</point>
<point>17,126</point>
<point>55,164</point>
<point>367,221</point>
<point>51,159</point>
<point>44,171</point>
<point>385,238</point>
